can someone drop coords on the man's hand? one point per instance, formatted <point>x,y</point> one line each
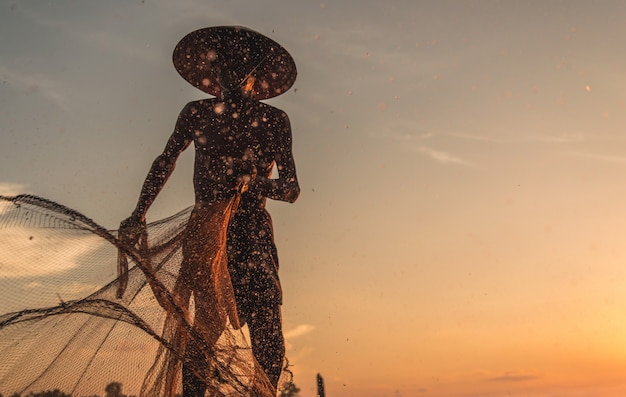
<point>131,230</point>
<point>244,172</point>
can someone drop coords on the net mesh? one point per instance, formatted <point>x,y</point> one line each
<point>137,329</point>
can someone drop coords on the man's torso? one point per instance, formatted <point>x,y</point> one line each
<point>228,138</point>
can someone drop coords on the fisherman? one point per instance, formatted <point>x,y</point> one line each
<point>238,140</point>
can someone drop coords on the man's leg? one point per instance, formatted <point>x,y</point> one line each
<point>253,267</point>
<point>268,343</point>
<point>200,248</point>
<point>192,385</point>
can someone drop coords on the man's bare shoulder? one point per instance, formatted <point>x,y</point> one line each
<point>270,108</point>
<point>275,116</point>
<point>215,101</point>
<point>225,107</point>
<point>202,103</point>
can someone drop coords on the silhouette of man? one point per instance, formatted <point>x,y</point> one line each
<point>237,142</point>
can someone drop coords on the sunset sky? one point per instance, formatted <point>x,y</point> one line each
<point>461,226</point>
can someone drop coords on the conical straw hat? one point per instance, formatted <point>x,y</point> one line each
<point>223,58</point>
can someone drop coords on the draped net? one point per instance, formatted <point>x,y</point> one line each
<point>137,329</point>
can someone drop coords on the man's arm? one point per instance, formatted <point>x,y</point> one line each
<point>286,187</point>
<point>133,229</point>
<point>163,166</point>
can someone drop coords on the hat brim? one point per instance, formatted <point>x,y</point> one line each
<point>222,58</point>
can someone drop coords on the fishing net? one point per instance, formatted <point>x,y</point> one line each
<point>140,327</point>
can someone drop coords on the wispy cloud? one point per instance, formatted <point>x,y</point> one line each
<point>442,157</point>
<point>35,84</point>
<point>299,330</point>
<point>567,137</point>
<point>601,157</point>
<point>410,137</point>
<point>472,137</point>
<point>413,140</point>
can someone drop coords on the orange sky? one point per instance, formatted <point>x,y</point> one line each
<point>460,227</point>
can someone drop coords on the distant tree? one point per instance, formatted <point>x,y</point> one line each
<point>320,386</point>
<point>290,390</point>
<point>114,389</point>
<point>49,393</point>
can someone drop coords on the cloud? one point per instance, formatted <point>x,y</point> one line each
<point>76,290</point>
<point>412,140</point>
<point>33,285</point>
<point>406,137</point>
<point>70,291</point>
<point>27,254</point>
<point>12,189</point>
<point>560,138</point>
<point>295,332</point>
<point>472,137</point>
<point>299,330</point>
<point>35,84</point>
<point>513,377</point>
<point>442,157</point>
<point>601,157</point>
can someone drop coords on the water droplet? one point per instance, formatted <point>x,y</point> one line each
<point>219,108</point>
